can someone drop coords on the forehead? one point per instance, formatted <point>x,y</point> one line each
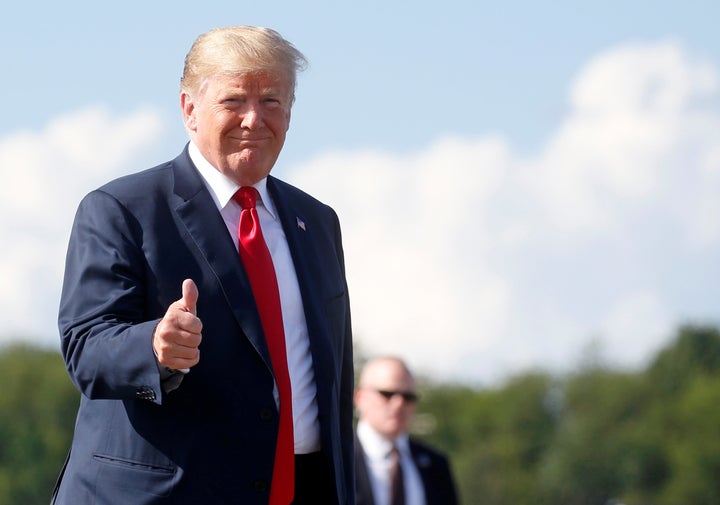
<point>260,81</point>
<point>387,375</point>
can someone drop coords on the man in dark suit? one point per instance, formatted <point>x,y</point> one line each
<point>182,392</point>
<point>391,467</point>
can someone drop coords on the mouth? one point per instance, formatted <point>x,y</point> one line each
<point>250,140</point>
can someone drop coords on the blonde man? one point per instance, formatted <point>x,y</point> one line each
<point>210,374</point>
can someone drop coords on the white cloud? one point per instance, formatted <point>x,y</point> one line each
<point>474,262</point>
<point>45,174</point>
<point>404,220</point>
<point>639,128</point>
<point>469,259</point>
<point>634,326</point>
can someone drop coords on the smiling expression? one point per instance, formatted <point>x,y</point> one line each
<point>239,122</point>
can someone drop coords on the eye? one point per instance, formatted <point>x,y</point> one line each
<point>231,102</point>
<point>272,103</point>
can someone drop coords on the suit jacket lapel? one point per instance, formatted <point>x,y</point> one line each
<point>299,234</point>
<point>424,464</point>
<point>199,215</point>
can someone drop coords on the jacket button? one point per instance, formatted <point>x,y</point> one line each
<point>266,414</point>
<point>260,486</point>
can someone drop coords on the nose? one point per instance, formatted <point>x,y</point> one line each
<point>397,400</point>
<point>251,116</point>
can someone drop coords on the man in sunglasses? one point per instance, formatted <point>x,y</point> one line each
<point>392,468</point>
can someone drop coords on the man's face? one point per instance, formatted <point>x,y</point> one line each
<point>239,122</point>
<point>389,416</point>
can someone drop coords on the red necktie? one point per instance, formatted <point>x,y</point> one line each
<point>259,267</point>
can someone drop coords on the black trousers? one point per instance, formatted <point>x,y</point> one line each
<point>314,482</point>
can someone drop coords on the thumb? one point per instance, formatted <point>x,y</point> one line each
<point>190,296</point>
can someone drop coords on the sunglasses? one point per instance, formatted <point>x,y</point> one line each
<point>408,397</point>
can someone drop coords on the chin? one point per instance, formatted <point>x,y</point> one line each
<point>246,174</point>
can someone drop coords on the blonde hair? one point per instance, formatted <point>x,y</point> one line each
<point>240,49</point>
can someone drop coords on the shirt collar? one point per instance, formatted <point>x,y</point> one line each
<point>221,187</point>
<point>377,446</point>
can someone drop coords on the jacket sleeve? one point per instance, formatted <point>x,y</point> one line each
<point>105,324</point>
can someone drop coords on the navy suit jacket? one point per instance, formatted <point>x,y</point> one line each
<point>432,465</point>
<point>211,440</point>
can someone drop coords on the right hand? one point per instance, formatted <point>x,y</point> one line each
<point>178,335</point>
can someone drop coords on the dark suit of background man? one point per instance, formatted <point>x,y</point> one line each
<point>160,330</point>
<point>385,400</point>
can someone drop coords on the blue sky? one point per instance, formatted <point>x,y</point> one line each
<point>568,152</point>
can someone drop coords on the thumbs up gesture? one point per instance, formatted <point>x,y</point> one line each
<point>178,335</point>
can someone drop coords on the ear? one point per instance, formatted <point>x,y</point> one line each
<point>357,397</point>
<point>188,111</point>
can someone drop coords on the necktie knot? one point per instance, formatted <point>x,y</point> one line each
<point>394,453</point>
<point>247,197</point>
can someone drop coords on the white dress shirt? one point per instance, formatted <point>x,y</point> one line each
<point>377,457</point>
<point>297,343</point>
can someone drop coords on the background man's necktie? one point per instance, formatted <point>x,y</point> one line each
<point>397,487</point>
<point>259,266</point>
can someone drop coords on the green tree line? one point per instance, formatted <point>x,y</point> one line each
<point>595,437</point>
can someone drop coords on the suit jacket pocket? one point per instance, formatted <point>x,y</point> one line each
<point>135,475</point>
